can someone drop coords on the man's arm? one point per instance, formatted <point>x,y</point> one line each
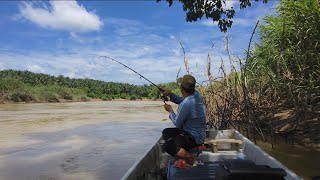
<point>181,116</point>
<point>174,98</point>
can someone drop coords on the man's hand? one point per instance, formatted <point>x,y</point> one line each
<point>166,92</point>
<point>168,108</point>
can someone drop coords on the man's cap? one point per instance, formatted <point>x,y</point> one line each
<point>187,81</point>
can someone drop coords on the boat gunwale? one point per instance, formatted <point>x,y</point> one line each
<point>140,159</point>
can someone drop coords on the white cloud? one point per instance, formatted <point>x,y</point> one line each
<point>63,15</point>
<point>75,37</point>
<point>243,22</point>
<point>231,3</point>
<point>228,3</point>
<point>87,64</point>
<point>155,55</point>
<point>208,22</point>
<point>125,27</point>
<point>122,21</point>
<point>2,66</point>
<point>35,68</point>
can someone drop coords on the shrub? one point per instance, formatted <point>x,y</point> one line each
<point>133,97</point>
<point>84,98</point>
<point>106,97</point>
<point>123,96</point>
<point>44,93</point>
<point>10,84</point>
<point>21,97</point>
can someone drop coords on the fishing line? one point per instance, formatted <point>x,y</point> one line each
<point>164,98</point>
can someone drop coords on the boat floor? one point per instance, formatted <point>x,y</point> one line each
<point>205,156</point>
<point>157,164</point>
<point>222,165</point>
<point>201,172</point>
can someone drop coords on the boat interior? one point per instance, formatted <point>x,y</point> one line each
<point>225,155</point>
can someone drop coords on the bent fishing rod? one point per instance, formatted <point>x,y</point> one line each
<point>164,98</point>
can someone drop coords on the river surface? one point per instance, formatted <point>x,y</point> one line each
<point>97,140</point>
<point>85,140</point>
<point>301,160</point>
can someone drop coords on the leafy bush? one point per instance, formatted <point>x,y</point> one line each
<point>45,93</point>
<point>10,84</point>
<point>106,98</point>
<point>21,97</point>
<point>133,97</point>
<point>63,92</point>
<point>123,96</point>
<point>84,98</point>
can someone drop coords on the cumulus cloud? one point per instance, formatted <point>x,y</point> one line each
<point>61,15</point>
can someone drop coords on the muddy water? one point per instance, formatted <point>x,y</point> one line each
<point>95,140</point>
<point>301,160</point>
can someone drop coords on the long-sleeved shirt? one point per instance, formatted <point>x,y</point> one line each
<point>191,116</point>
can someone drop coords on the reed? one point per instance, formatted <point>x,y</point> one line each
<point>279,75</point>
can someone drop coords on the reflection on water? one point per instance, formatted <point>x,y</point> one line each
<point>96,140</point>
<point>304,162</point>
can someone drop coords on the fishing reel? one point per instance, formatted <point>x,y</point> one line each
<point>164,98</point>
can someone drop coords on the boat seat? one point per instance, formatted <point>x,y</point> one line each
<point>214,143</point>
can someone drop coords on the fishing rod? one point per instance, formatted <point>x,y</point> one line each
<point>164,98</point>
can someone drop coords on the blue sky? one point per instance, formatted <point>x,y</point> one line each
<point>67,38</point>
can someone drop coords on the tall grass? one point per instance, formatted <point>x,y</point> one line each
<point>281,73</point>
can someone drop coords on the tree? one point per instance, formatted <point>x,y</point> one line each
<point>211,9</point>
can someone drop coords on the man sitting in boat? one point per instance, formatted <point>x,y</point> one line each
<point>190,120</point>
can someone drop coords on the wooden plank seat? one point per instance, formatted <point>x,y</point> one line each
<point>215,142</point>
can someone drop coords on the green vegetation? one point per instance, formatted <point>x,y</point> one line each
<point>25,86</point>
<point>276,90</point>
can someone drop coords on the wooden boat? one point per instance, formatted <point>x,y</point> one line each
<point>228,155</point>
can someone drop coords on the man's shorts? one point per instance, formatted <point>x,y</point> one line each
<point>175,139</point>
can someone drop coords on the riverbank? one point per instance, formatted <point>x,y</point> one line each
<point>306,132</point>
<point>3,101</point>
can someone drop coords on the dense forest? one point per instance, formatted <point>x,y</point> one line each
<point>26,86</point>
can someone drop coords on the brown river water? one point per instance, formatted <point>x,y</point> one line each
<point>86,140</point>
<point>303,161</point>
<point>96,140</point>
